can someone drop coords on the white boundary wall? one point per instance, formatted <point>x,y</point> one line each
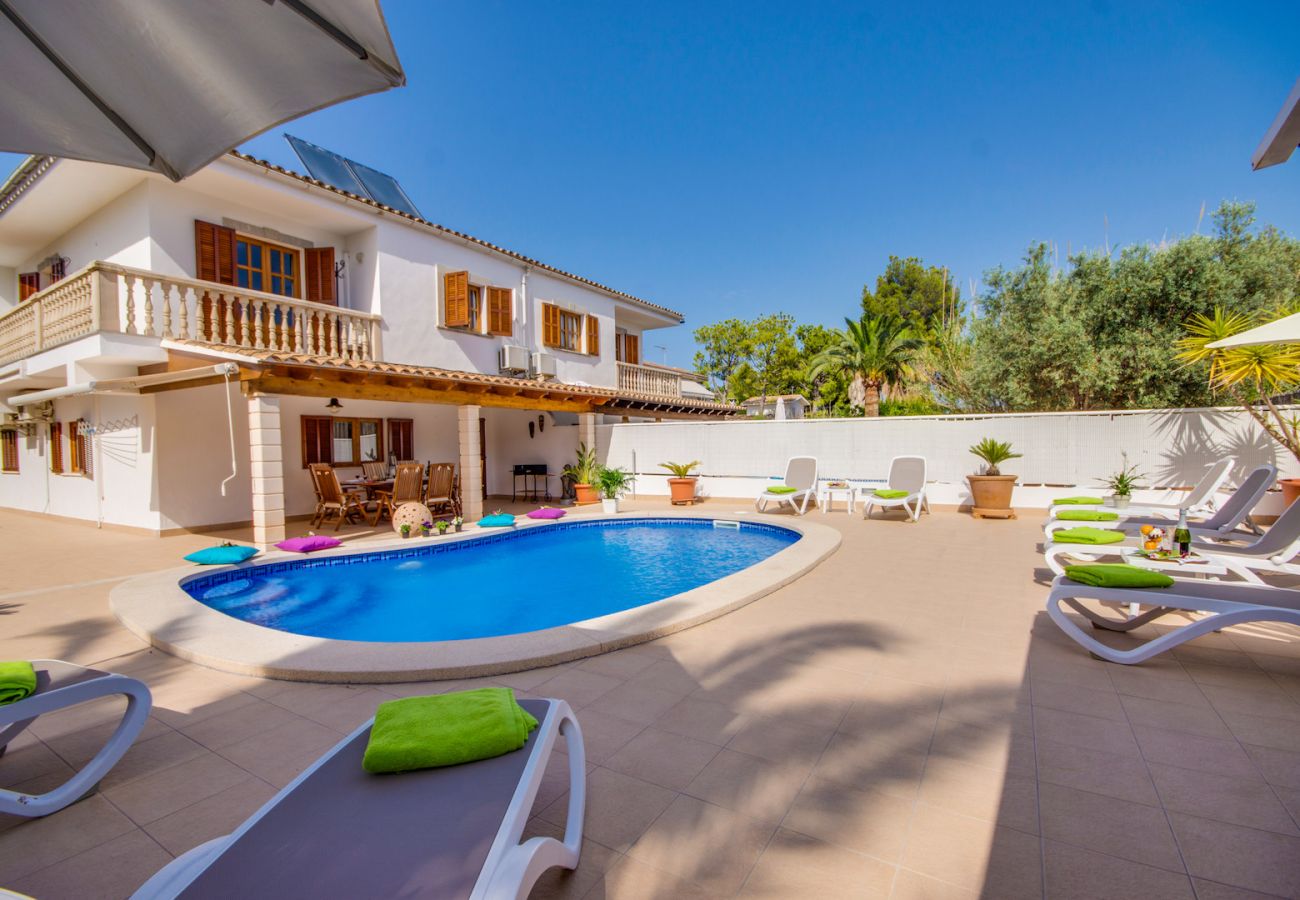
<point>1071,450</point>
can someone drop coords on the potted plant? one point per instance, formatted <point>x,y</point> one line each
<point>406,530</point>
<point>583,474</point>
<point>425,528</point>
<point>612,483</point>
<point>457,523</point>
<point>443,525</point>
<point>991,490</point>
<point>1121,485</point>
<point>682,485</point>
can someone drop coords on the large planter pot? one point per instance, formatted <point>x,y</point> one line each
<point>1290,489</point>
<point>609,507</point>
<point>682,490</point>
<point>585,494</point>
<point>991,496</point>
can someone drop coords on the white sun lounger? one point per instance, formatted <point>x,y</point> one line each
<point>801,474</point>
<point>1273,552</point>
<point>1221,525</point>
<point>906,473</point>
<point>337,831</point>
<point>1199,501</point>
<point>60,685</point>
<point>1224,605</point>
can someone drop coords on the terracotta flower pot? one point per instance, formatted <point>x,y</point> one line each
<point>682,490</point>
<point>584,494</point>
<point>991,496</point>
<point>1290,489</point>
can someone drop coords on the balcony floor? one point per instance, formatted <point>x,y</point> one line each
<point>902,722</point>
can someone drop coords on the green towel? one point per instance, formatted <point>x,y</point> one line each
<point>889,493</point>
<point>1118,576</point>
<point>781,489</point>
<point>17,681</point>
<point>1078,501</point>
<point>1087,515</point>
<point>1085,535</point>
<point>446,730</point>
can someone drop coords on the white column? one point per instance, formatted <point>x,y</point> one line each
<point>471,463</point>
<point>587,430</point>
<point>266,468</point>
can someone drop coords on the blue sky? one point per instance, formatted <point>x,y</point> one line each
<point>737,159</point>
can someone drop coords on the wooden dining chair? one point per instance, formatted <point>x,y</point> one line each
<point>441,495</point>
<point>335,503</point>
<point>374,470</point>
<point>408,487</point>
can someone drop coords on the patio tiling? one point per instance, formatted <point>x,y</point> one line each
<point>902,722</point>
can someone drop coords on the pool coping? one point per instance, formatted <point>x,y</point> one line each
<point>157,609</point>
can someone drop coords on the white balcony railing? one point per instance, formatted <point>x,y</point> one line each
<point>120,299</point>
<point>645,380</point>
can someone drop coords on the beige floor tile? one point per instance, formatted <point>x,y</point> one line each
<point>703,720</point>
<point>1279,767</point>
<point>628,879</point>
<point>604,735</point>
<point>350,712</point>
<point>1096,771</point>
<point>1265,731</point>
<point>278,755</point>
<point>37,843</point>
<point>153,796</point>
<point>235,725</point>
<point>579,686</point>
<point>782,743</point>
<point>910,885</point>
<point>1108,825</point>
<point>1257,700</point>
<point>1242,857</point>
<point>1076,699</point>
<point>702,843</point>
<point>1074,873</point>
<point>1189,751</point>
<point>27,757</point>
<point>662,758</point>
<point>1009,800</point>
<point>1092,732</point>
<point>876,765</point>
<point>996,747</point>
<point>974,854</point>
<point>750,786</point>
<point>863,821</point>
<point>1241,801</point>
<point>114,869</point>
<point>569,884</point>
<point>210,817</point>
<point>798,865</point>
<point>621,663</point>
<point>1212,890</point>
<point>1198,719</point>
<point>636,703</point>
<point>619,808</point>
<point>1172,686</point>
<point>667,675</point>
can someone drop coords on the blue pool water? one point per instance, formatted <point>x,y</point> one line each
<point>511,582</point>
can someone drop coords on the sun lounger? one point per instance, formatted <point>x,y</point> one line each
<point>906,473</point>
<point>801,476</point>
<point>453,832</point>
<point>60,685</point>
<point>1224,604</point>
<point>1222,524</point>
<point>1199,501</point>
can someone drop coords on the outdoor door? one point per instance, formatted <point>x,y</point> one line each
<point>482,453</point>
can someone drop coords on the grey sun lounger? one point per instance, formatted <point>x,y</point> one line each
<point>60,685</point>
<point>453,832</point>
<point>1223,603</point>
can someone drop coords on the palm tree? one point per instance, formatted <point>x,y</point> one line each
<point>875,351</point>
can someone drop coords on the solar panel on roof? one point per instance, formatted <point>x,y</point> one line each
<point>353,177</point>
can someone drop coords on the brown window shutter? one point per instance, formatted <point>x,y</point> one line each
<point>321,286</point>
<point>317,440</point>
<point>550,325</point>
<point>500,304</point>
<point>214,252</point>
<point>631,349</point>
<point>28,283</point>
<point>56,448</point>
<point>593,335</point>
<point>455,299</point>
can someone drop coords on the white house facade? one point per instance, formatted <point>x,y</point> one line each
<point>172,356</point>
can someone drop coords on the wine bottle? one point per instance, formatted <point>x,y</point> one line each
<point>1183,535</point>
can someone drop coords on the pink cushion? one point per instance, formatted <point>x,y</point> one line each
<point>546,512</point>
<point>309,543</point>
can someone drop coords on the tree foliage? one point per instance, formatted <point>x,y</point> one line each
<point>873,352</point>
<point>908,289</point>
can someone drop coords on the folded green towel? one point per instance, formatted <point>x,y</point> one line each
<point>1118,576</point>
<point>781,489</point>
<point>1079,501</point>
<point>889,493</point>
<point>17,681</point>
<point>1087,515</point>
<point>1085,535</point>
<point>446,730</point>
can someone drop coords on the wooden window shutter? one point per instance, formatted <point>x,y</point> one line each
<point>455,299</point>
<point>593,335</point>
<point>317,440</point>
<point>321,285</point>
<point>550,325</point>
<point>501,313</point>
<point>56,448</point>
<point>214,252</point>
<point>631,349</point>
<point>28,283</point>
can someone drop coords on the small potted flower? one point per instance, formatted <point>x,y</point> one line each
<point>457,523</point>
<point>1121,485</point>
<point>682,485</point>
<point>443,525</point>
<point>425,528</point>
<point>612,482</point>
<point>406,530</point>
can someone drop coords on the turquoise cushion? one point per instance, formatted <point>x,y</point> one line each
<point>498,520</point>
<point>221,556</point>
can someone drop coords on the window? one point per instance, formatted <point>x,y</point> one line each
<point>475,320</point>
<point>627,347</point>
<point>262,266</point>
<point>56,448</point>
<point>341,441</point>
<point>500,311</point>
<point>58,269</point>
<point>476,308</point>
<point>401,439</point>
<point>28,283</point>
<point>561,328</point>
<point>593,335</point>
<point>9,450</point>
<point>79,446</point>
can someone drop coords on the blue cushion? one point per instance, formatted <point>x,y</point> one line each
<point>496,521</point>
<point>221,556</point>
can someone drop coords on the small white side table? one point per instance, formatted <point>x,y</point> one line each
<point>828,495</point>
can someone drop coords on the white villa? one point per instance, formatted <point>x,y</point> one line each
<point>173,356</point>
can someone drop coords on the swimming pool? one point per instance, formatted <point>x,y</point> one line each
<point>506,583</point>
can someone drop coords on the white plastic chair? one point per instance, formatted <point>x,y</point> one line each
<point>800,474</point>
<point>906,473</point>
<point>1199,501</point>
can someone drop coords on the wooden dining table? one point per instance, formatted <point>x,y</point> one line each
<point>370,485</point>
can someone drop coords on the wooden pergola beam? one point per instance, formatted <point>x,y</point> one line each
<point>412,392</point>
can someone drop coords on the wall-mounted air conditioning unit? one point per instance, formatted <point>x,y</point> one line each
<point>513,360</point>
<point>544,365</point>
<point>35,412</point>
